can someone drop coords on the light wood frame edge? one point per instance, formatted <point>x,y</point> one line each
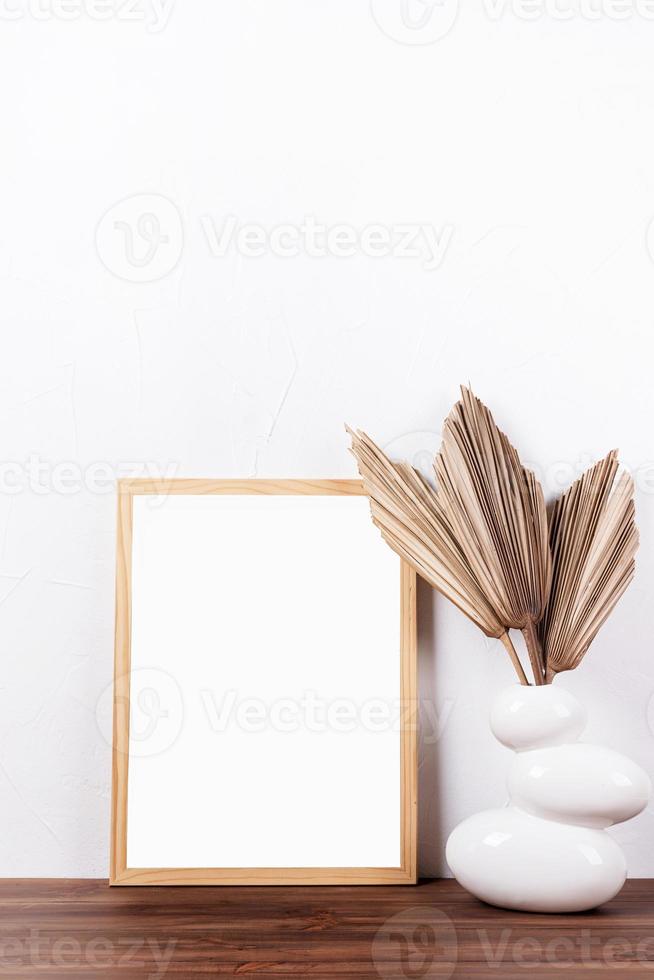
<point>120,874</point>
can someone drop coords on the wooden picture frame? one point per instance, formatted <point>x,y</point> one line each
<point>120,872</point>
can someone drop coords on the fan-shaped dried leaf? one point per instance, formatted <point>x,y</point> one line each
<point>413,522</point>
<point>496,510</point>
<point>408,513</point>
<point>594,540</point>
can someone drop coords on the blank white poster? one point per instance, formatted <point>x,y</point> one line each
<point>265,685</point>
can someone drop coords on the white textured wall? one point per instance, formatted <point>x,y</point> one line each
<point>525,145</point>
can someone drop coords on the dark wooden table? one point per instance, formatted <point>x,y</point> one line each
<point>65,928</point>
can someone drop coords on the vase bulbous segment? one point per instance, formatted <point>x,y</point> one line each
<point>548,849</point>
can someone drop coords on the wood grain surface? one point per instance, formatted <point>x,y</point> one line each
<point>84,928</point>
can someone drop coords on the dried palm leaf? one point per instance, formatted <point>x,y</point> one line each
<point>414,524</point>
<point>593,539</point>
<point>496,510</point>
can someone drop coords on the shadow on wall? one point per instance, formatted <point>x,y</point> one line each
<point>431,846</point>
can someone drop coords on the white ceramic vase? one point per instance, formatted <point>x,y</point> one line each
<point>548,850</point>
